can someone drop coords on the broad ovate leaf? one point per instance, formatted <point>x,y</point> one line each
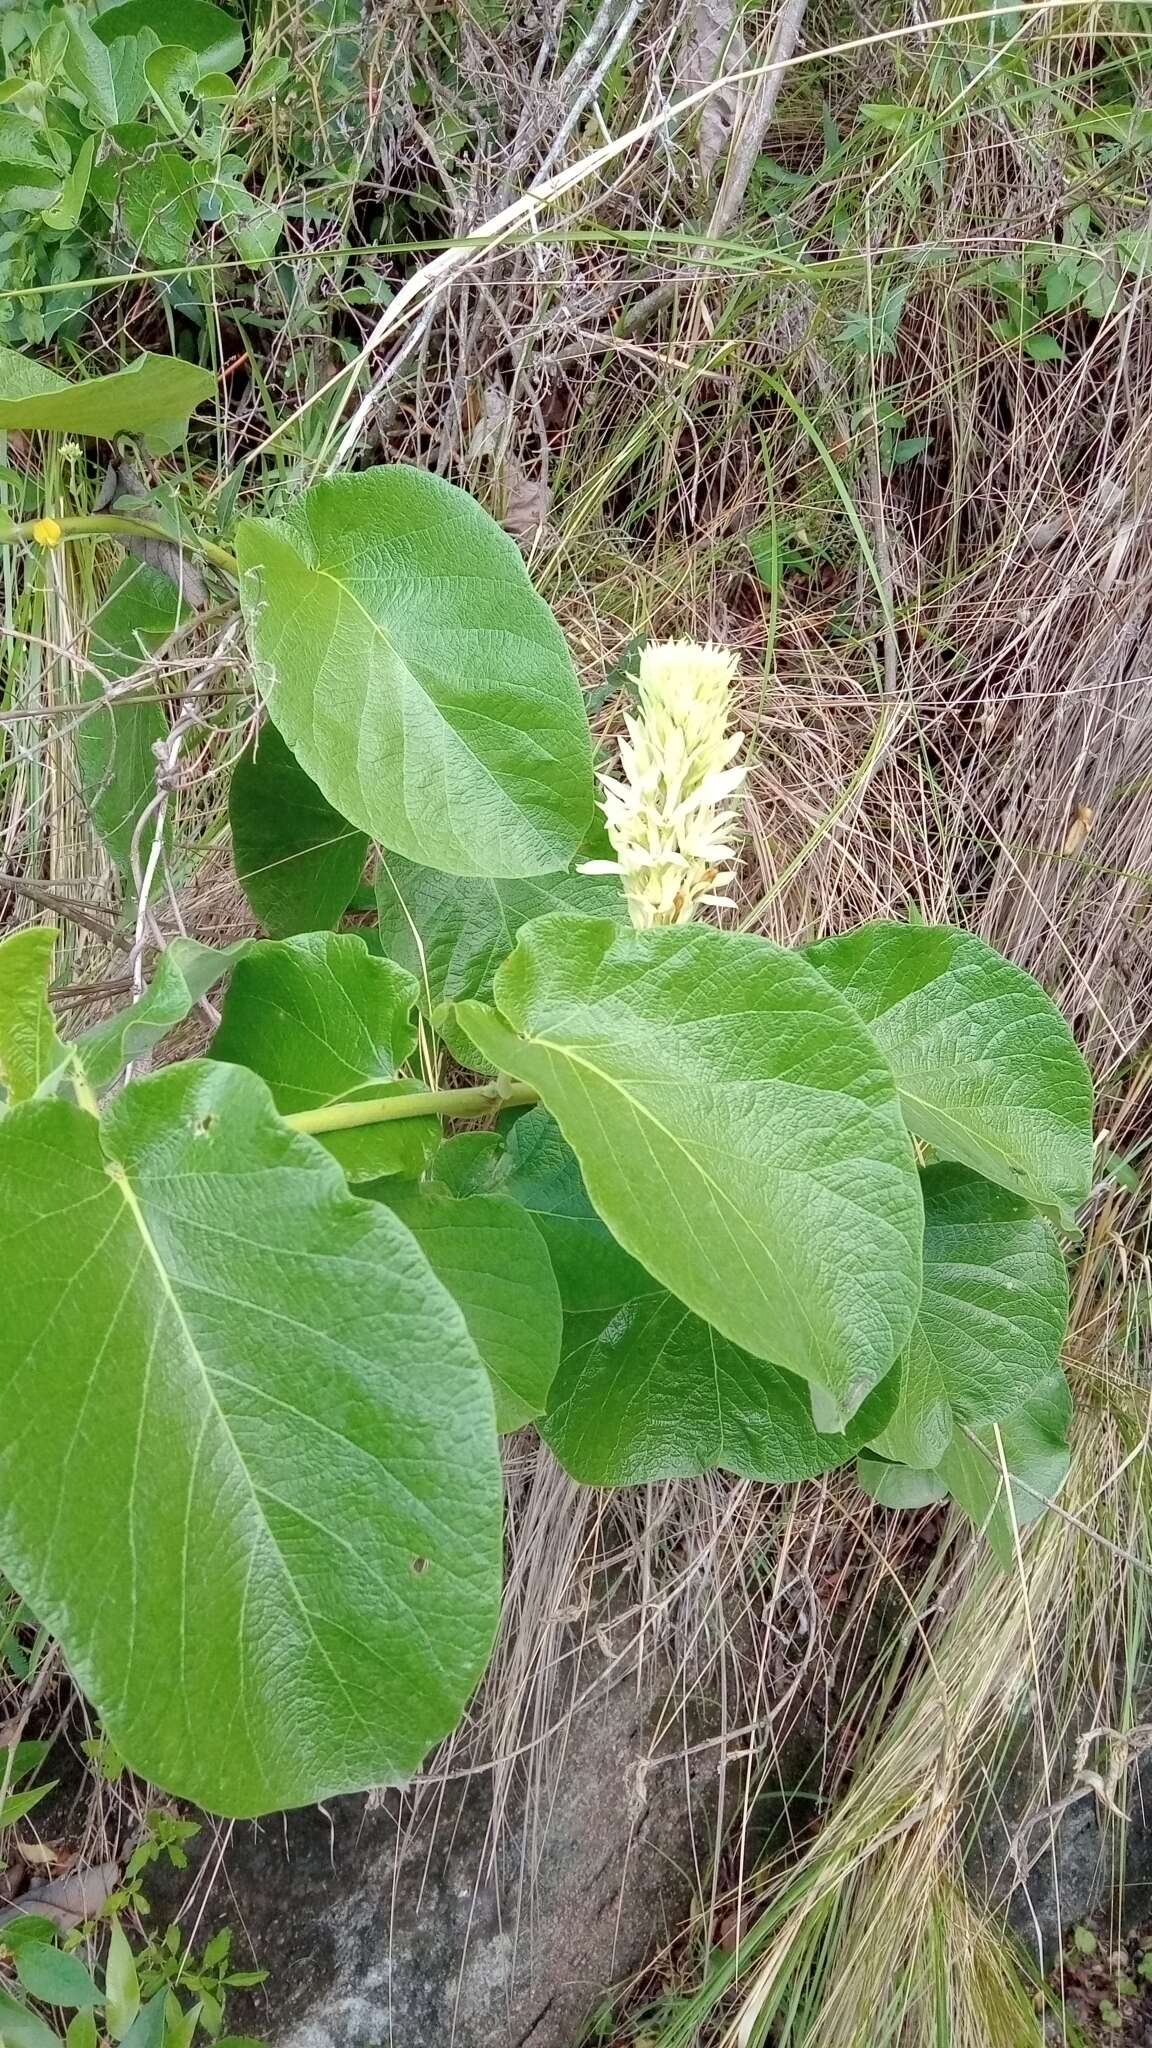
<point>154,397</point>
<point>417,676</point>
<point>115,739</point>
<point>262,1509</point>
<point>182,976</point>
<point>492,1259</point>
<point>988,1071</point>
<point>737,1130</point>
<point>297,860</point>
<point>645,1389</point>
<point>321,1020</point>
<point>992,1315</point>
<point>30,1051</point>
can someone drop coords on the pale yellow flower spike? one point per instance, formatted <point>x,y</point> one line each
<point>670,812</point>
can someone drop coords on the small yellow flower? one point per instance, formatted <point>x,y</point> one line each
<point>668,817</point>
<point>48,532</point>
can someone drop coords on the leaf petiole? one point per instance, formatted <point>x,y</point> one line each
<point>464,1103</point>
<point>91,525</point>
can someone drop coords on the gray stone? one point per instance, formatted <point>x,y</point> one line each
<point>1053,1865</point>
<point>381,1932</point>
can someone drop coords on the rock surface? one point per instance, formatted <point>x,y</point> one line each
<point>380,1933</point>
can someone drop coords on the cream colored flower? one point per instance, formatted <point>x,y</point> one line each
<point>670,813</point>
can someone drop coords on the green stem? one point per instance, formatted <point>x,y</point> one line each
<point>90,525</point>
<point>465,1103</point>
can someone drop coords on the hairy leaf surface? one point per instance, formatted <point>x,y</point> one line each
<point>988,1071</point>
<point>417,676</point>
<point>261,1509</point>
<point>736,1129</point>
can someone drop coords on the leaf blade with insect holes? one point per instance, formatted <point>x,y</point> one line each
<point>270,1465</point>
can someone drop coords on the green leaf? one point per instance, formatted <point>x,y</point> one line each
<point>154,397</point>
<point>992,1315</point>
<point>107,74</point>
<point>148,2027</point>
<point>160,206</point>
<point>121,1983</point>
<point>988,1071</point>
<point>494,1263</point>
<point>297,860</point>
<point>737,1130</point>
<point>66,212</point>
<point>17,1804</point>
<point>417,676</point>
<point>262,1510</point>
<point>26,1928</point>
<point>56,1978</point>
<point>1032,1446</point>
<point>20,2028</point>
<point>321,1020</point>
<point>114,745</point>
<point>452,934</point>
<point>899,1486</point>
<point>646,1390</point>
<point>172,73</point>
<point>214,36</point>
<point>23,377</point>
<point>183,974</point>
<point>30,1051</point>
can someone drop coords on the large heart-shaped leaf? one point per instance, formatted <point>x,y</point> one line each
<point>992,1315</point>
<point>452,933</point>
<point>297,860</point>
<point>987,1069</point>
<point>30,1051</point>
<point>495,1265</point>
<point>261,1510</point>
<point>1030,1447</point>
<point>321,1020</point>
<point>646,1390</point>
<point>737,1130</point>
<point>153,397</point>
<point>417,676</point>
<point>115,742</point>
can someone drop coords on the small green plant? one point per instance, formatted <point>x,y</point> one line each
<point>117,135</point>
<point>728,1204</point>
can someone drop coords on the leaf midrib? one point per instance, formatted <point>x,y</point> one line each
<point>136,1213</point>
